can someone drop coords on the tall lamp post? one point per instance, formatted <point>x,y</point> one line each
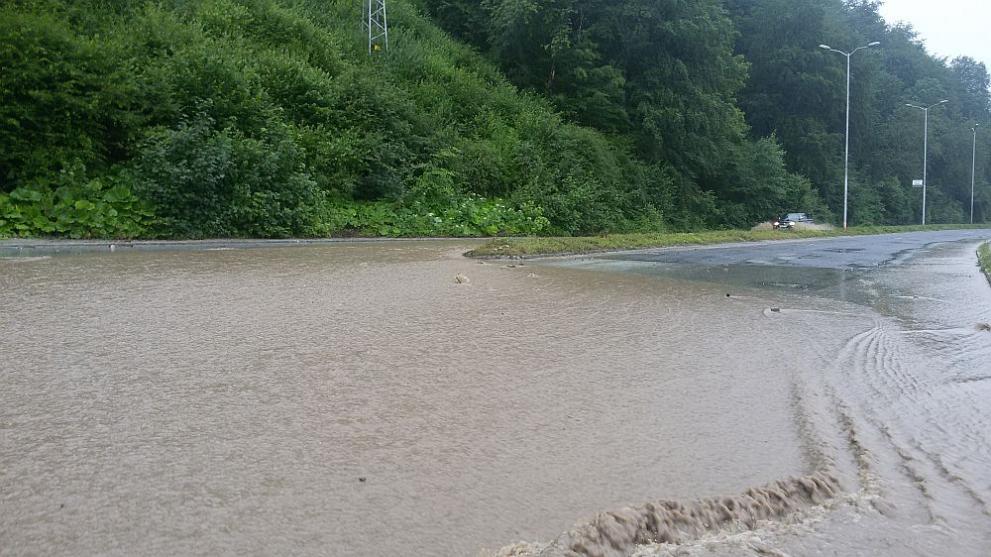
<point>973,173</point>
<point>925,152</point>
<point>846,156</point>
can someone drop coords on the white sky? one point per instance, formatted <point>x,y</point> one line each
<point>950,28</point>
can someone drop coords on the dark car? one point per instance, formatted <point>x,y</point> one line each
<point>787,222</point>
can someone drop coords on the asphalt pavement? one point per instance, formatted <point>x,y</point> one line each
<point>851,252</point>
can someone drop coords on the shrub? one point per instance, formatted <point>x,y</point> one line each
<point>75,207</point>
<point>217,182</point>
<point>470,215</point>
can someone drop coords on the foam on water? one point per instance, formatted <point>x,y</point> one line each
<point>618,533</point>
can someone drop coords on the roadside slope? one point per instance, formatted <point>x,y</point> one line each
<point>269,118</point>
<point>984,259</point>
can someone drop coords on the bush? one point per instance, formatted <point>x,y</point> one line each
<point>470,216</point>
<point>217,182</point>
<point>74,207</point>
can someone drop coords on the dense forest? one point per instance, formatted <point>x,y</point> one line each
<point>269,118</point>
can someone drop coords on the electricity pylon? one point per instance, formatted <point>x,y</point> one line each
<point>378,25</point>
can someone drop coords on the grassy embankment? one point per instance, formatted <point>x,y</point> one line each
<point>984,259</point>
<point>534,247</point>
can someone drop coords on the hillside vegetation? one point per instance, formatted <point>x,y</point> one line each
<point>265,118</point>
<point>687,80</point>
<point>269,118</point>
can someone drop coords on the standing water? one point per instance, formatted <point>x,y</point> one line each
<point>356,399</point>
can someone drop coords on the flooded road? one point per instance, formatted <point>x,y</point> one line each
<point>899,412</point>
<point>355,399</point>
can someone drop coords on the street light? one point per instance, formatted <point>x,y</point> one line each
<point>925,152</point>
<point>846,156</point>
<point>973,173</point>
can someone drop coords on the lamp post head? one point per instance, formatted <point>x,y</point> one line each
<point>875,43</point>
<point>825,47</point>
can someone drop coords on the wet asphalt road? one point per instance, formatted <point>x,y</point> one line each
<point>855,252</point>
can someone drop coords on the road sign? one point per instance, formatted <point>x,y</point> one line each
<point>917,183</point>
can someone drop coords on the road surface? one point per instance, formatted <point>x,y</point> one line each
<point>830,253</point>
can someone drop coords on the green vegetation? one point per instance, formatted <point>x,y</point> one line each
<point>269,118</point>
<point>984,259</point>
<point>536,247</point>
<point>703,87</point>
<point>796,91</point>
<point>75,210</point>
<point>661,75</point>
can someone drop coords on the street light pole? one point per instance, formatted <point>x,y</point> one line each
<point>846,155</point>
<point>973,173</point>
<point>925,153</point>
<point>925,165</point>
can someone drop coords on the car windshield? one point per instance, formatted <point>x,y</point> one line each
<point>794,216</point>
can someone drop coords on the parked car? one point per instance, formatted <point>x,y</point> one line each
<point>788,222</point>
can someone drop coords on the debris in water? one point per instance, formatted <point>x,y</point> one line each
<point>461,279</point>
<point>362,479</point>
<point>763,549</point>
<point>984,327</point>
<point>617,533</point>
<point>776,310</point>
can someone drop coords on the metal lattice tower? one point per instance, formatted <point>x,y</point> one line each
<point>378,25</point>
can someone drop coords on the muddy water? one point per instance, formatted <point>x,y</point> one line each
<point>898,412</point>
<point>357,400</point>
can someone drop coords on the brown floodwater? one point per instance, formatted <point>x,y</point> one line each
<point>356,399</point>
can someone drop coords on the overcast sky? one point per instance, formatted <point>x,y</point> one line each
<point>949,28</point>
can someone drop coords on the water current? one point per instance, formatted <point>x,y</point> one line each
<point>357,399</point>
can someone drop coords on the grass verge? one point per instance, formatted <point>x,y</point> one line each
<point>984,259</point>
<point>535,247</point>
